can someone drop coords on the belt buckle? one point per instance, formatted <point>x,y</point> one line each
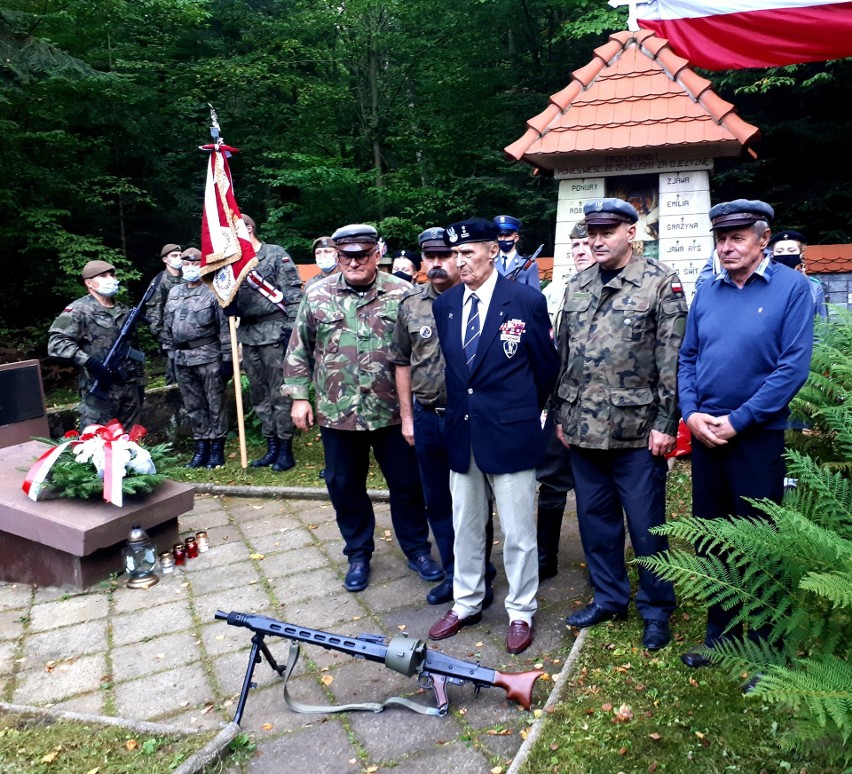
<point>440,410</point>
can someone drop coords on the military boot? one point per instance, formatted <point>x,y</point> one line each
<point>273,445</point>
<point>549,527</point>
<point>202,454</point>
<point>217,453</point>
<point>285,459</point>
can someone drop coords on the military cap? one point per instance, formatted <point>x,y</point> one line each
<point>608,212</point>
<point>473,230</point>
<point>790,234</point>
<point>356,239</point>
<point>93,268</point>
<point>740,212</point>
<point>191,254</point>
<point>410,255</point>
<point>169,249</point>
<point>579,231</point>
<point>508,224</point>
<point>322,242</point>
<point>432,240</point>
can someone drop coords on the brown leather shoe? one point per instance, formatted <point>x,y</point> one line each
<point>520,637</point>
<point>449,624</point>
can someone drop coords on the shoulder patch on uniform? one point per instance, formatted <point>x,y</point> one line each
<point>285,259</point>
<point>69,308</point>
<point>677,287</point>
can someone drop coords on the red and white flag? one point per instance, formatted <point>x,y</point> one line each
<point>736,34</point>
<point>227,253</point>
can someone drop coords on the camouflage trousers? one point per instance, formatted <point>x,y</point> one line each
<point>124,403</point>
<point>202,390</point>
<point>264,366</point>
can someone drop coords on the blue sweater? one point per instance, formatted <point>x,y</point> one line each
<point>747,351</point>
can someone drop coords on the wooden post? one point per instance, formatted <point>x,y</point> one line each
<point>238,391</point>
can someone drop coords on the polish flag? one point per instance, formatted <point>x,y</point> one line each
<point>736,34</point>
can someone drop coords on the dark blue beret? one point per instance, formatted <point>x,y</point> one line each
<point>473,230</point>
<point>740,212</point>
<point>506,223</point>
<point>783,236</point>
<point>609,211</point>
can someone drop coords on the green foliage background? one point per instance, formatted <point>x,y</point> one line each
<point>384,111</point>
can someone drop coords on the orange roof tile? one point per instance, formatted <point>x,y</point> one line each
<point>635,93</point>
<point>828,259</point>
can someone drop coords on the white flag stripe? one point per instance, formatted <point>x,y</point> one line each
<point>683,9</point>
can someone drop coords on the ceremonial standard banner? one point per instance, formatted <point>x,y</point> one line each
<point>227,254</point>
<point>735,34</point>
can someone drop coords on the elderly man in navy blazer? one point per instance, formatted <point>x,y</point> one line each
<point>501,364</point>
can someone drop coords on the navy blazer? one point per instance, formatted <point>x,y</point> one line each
<point>495,407</point>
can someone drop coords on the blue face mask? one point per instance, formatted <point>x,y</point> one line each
<point>506,245</point>
<point>192,272</point>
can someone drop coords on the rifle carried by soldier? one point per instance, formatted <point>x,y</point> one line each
<point>402,654</point>
<point>513,275</point>
<point>121,351</point>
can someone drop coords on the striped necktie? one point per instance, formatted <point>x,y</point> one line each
<point>472,330</point>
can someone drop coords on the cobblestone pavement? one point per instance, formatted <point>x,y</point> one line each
<point>159,655</point>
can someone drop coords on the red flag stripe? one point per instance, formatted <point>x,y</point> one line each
<point>762,37</point>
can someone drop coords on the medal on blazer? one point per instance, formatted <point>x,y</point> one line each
<point>510,335</point>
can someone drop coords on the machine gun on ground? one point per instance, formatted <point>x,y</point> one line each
<point>121,351</point>
<point>402,654</point>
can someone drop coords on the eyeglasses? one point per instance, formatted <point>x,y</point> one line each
<point>359,259</point>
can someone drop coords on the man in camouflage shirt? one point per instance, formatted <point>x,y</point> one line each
<point>169,277</point>
<point>422,390</point>
<point>197,338</point>
<point>263,333</point>
<point>84,334</point>
<point>623,321</point>
<point>341,345</point>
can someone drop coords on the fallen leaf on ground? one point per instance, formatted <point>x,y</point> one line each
<point>622,751</point>
<point>256,556</point>
<point>50,757</point>
<point>655,736</point>
<point>523,734</point>
<point>267,726</point>
<point>327,680</point>
<point>652,767</point>
<point>496,770</point>
<point>387,533</point>
<point>131,744</point>
<point>606,707</point>
<point>401,627</point>
<point>537,713</point>
<point>623,714</point>
<point>499,732</point>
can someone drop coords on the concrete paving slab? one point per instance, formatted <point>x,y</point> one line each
<point>383,596</point>
<point>309,584</point>
<point>11,624</point>
<point>270,524</point>
<point>245,599</point>
<point>288,563</point>
<point>456,757</point>
<point>8,652</point>
<point>15,596</point>
<point>64,643</point>
<point>143,625</point>
<point>224,551</point>
<point>325,613</point>
<point>87,704</point>
<point>323,748</point>
<point>218,638</point>
<point>127,600</point>
<point>164,694</point>
<point>220,578</point>
<point>61,612</point>
<point>166,652</point>
<point>281,540</point>
<point>266,707</point>
<point>66,679</point>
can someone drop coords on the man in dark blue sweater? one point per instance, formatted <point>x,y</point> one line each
<point>746,353</point>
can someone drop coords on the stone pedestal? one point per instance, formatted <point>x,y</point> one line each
<point>75,542</point>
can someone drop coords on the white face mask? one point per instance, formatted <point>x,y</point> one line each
<point>326,262</point>
<point>176,262</point>
<point>107,286</point>
<point>192,272</point>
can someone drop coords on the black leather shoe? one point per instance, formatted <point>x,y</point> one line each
<point>442,593</point>
<point>593,614</point>
<point>749,685</point>
<point>695,658</point>
<point>656,635</point>
<point>358,576</point>
<point>547,570</point>
<point>488,599</point>
<point>427,568</point>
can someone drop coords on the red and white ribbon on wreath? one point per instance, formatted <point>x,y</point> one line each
<point>107,447</point>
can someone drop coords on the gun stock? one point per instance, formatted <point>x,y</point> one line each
<point>518,685</point>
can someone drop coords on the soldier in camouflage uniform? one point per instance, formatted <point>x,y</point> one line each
<point>263,333</point>
<point>623,321</point>
<point>169,277</point>
<point>341,345</point>
<point>422,392</point>
<point>325,256</point>
<point>197,338</point>
<point>83,335</point>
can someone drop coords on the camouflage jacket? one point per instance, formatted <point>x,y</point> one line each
<point>342,344</point>
<point>191,315</point>
<point>87,329</point>
<point>415,344</point>
<point>619,345</point>
<point>154,307</point>
<point>318,278</point>
<point>276,266</point>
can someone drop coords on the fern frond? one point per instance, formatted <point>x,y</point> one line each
<point>836,587</point>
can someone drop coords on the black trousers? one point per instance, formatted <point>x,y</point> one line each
<point>751,465</point>
<point>347,459</point>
